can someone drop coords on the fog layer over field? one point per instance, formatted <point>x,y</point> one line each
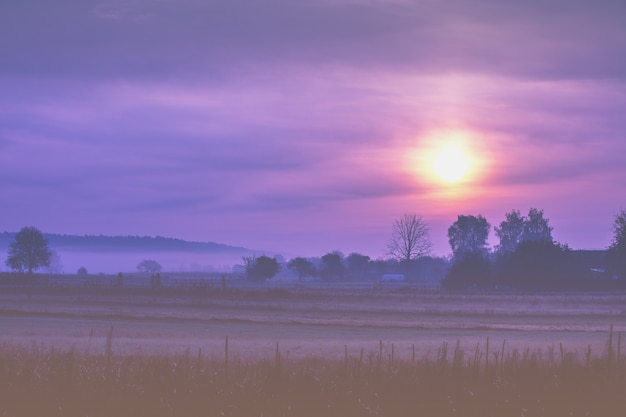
<point>113,254</point>
<point>111,263</point>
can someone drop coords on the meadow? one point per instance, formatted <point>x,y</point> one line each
<point>309,352</point>
<point>49,382</point>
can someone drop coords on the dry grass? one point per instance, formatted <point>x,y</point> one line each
<point>40,381</point>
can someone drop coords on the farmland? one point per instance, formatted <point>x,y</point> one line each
<point>308,350</point>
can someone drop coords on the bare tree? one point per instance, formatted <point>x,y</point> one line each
<point>409,238</point>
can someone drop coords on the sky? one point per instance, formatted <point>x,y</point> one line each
<point>306,127</point>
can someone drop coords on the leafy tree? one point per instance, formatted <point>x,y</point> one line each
<point>357,265</point>
<point>248,262</point>
<point>616,254</point>
<point>510,232</point>
<point>472,270</point>
<point>516,229</point>
<point>468,235</point>
<point>149,266</point>
<point>536,228</point>
<point>82,271</point>
<point>428,268</point>
<point>332,266</point>
<point>303,267</point>
<point>262,268</point>
<point>409,238</point>
<point>380,267</point>
<point>541,265</point>
<point>619,231</point>
<point>28,251</point>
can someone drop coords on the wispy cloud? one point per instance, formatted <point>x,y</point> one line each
<point>156,115</point>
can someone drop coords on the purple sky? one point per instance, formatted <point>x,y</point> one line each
<point>304,127</point>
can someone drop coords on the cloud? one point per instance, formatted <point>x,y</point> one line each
<point>125,111</point>
<point>235,38</point>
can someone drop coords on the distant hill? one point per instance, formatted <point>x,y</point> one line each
<point>100,243</point>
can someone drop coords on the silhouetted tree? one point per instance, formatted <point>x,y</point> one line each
<point>619,230</point>
<point>468,239</point>
<point>303,267</point>
<point>472,270</point>
<point>28,251</point>
<point>541,265</point>
<point>468,235</point>
<point>332,267</point>
<point>536,228</point>
<point>380,267</point>
<point>82,271</point>
<point>516,229</point>
<point>510,232</point>
<point>409,238</point>
<point>149,266</point>
<point>358,265</point>
<point>429,269</point>
<point>262,268</point>
<point>248,262</point>
<point>616,254</point>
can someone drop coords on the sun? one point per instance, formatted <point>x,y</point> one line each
<point>451,164</point>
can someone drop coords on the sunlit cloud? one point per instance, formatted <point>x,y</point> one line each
<point>260,123</point>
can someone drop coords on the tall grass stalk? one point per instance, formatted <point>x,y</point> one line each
<point>108,348</point>
<point>52,382</point>
<point>619,348</point>
<point>226,358</point>
<point>277,360</point>
<point>610,346</point>
<point>487,356</point>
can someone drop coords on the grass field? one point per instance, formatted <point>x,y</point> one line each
<point>121,352</point>
<point>36,382</point>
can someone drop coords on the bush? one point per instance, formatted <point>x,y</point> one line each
<point>262,268</point>
<point>472,270</point>
<point>149,266</point>
<point>332,267</point>
<point>541,265</point>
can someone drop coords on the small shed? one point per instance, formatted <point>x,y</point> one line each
<point>392,277</point>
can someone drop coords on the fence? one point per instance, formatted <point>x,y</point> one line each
<point>201,280</point>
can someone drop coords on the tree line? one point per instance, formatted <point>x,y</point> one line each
<point>526,257</point>
<point>102,243</point>
<point>336,267</point>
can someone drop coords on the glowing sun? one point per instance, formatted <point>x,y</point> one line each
<point>451,164</point>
